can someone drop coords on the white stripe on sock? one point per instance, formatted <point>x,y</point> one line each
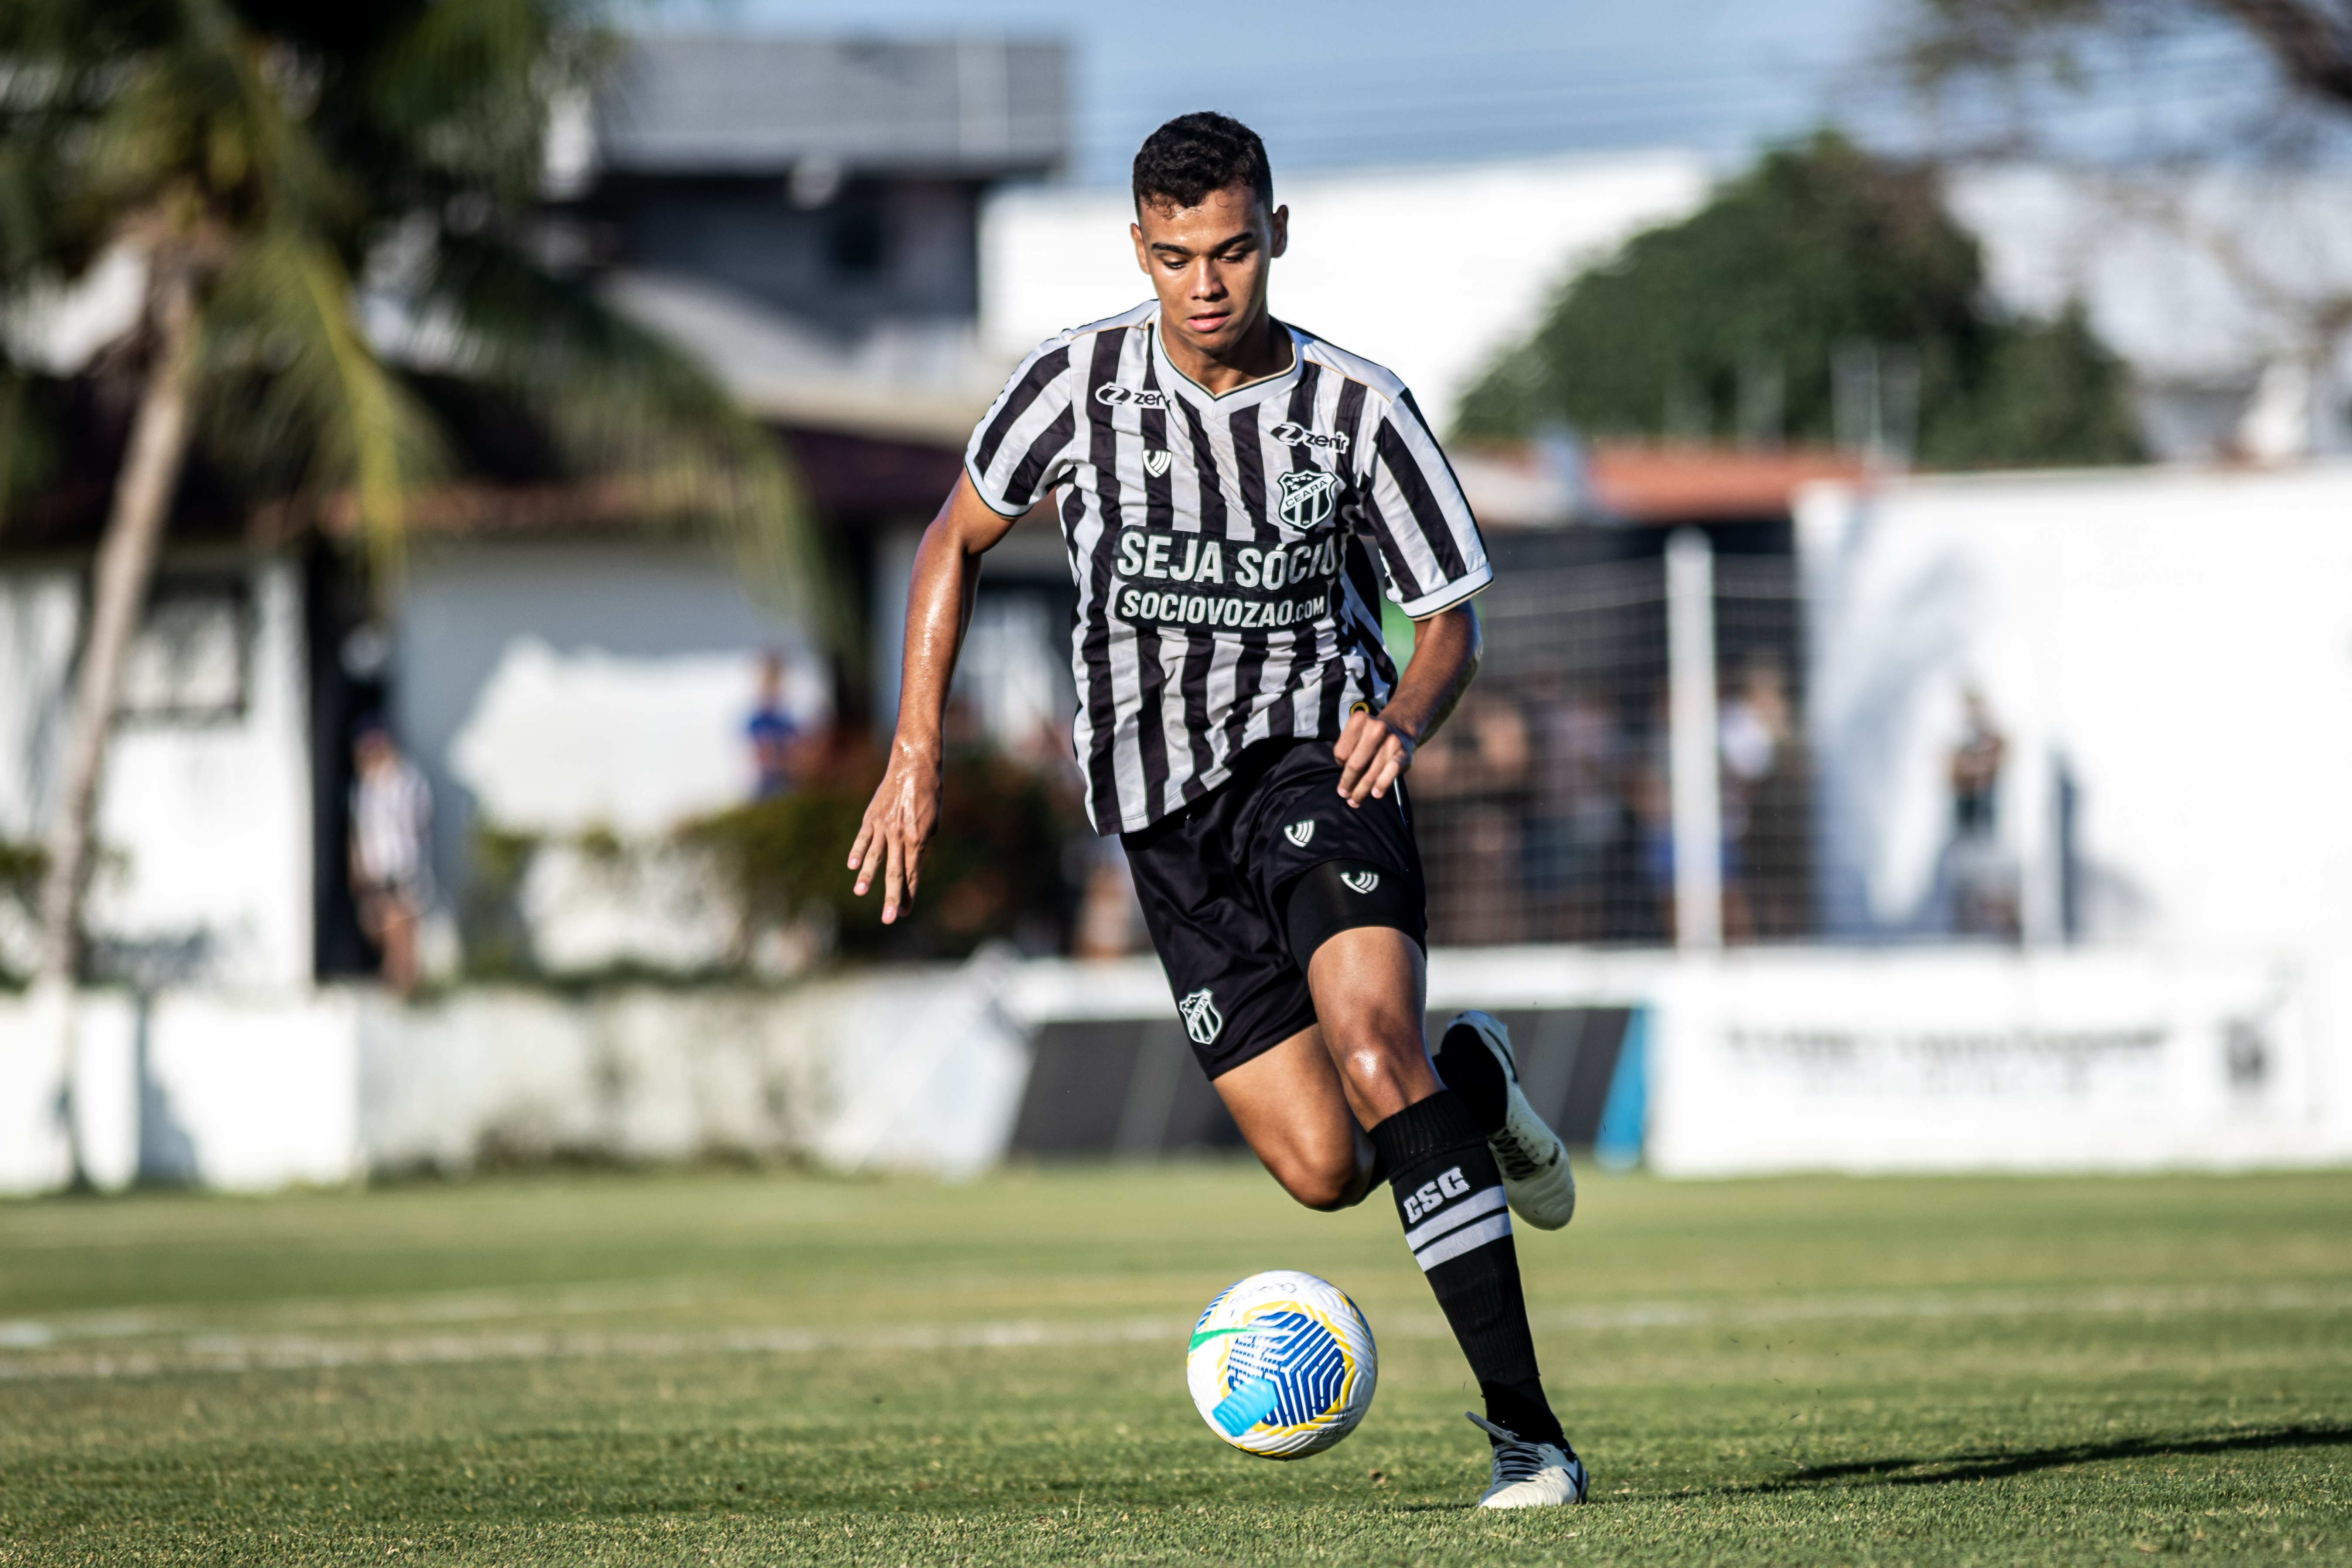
<point>1468,1239</point>
<point>1470,1208</point>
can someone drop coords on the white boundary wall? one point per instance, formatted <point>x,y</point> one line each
<point>1756,1061</point>
<point>1959,1060</point>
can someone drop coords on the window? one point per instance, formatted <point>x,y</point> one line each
<point>859,243</point>
<point>188,663</point>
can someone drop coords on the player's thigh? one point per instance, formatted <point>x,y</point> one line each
<point>1290,1107</point>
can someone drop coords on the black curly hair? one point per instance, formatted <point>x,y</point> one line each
<point>1193,154</point>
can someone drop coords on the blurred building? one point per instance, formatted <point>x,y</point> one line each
<point>800,213</point>
<point>804,215</point>
<point>2224,290</point>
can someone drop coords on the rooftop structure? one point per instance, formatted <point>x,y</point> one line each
<point>802,214</point>
<point>973,108</point>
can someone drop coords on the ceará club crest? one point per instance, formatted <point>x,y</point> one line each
<point>1309,497</point>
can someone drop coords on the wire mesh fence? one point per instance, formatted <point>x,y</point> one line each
<point>1544,807</point>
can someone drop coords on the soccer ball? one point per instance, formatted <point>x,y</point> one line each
<point>1282,1365</point>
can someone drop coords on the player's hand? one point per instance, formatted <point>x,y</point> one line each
<point>899,821</point>
<point>1373,754</point>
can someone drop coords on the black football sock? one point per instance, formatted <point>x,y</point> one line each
<point>1450,1196</point>
<point>1471,1072</point>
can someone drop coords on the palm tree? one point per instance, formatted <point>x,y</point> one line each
<point>265,157</point>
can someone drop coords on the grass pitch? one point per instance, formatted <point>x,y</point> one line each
<point>758,1368</point>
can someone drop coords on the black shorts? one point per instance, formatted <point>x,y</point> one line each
<point>1213,878</point>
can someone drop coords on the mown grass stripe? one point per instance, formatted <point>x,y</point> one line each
<point>236,1352</point>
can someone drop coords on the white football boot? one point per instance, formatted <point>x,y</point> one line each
<point>1536,1177</point>
<point>1531,1475</point>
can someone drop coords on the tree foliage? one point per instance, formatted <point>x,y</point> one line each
<point>1821,249</point>
<point>313,158</point>
<point>2308,41</point>
<point>995,866</point>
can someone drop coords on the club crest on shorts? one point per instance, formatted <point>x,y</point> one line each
<point>1360,881</point>
<point>1300,832</point>
<point>1156,463</point>
<point>1309,497</point>
<point>1201,1019</point>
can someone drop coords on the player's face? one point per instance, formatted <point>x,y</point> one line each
<point>1207,264</point>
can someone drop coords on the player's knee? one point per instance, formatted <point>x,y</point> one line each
<point>1322,1194</point>
<point>1317,1179</point>
<point>1382,1053</point>
<point>1372,1032</point>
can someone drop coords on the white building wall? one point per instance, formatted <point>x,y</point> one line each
<point>40,626</point>
<point>204,825</point>
<point>2178,643</point>
<point>560,687</point>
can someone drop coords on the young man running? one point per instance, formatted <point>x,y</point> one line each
<point>1223,481</point>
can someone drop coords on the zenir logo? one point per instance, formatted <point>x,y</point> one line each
<point>1292,434</point>
<point>1300,832</point>
<point>1201,1019</point>
<point>1156,463</point>
<point>1360,881</point>
<point>1113,396</point>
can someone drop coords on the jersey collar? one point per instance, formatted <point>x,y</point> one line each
<point>1248,397</point>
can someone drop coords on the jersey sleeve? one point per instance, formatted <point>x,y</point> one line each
<point>1428,541</point>
<point>1021,448</point>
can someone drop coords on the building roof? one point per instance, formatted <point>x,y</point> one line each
<point>1551,484</point>
<point>1678,483</point>
<point>927,381</point>
<point>748,106</point>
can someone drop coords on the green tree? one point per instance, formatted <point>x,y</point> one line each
<point>262,155</point>
<point>1734,321</point>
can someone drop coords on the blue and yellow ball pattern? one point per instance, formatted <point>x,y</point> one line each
<point>1282,1365</point>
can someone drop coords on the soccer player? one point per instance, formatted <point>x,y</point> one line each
<point>1234,492</point>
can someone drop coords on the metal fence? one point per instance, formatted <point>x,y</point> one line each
<point>1547,808</point>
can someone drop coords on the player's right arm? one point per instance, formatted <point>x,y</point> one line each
<point>906,808</point>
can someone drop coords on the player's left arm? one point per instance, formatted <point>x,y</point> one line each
<point>1421,522</point>
<point>1376,748</point>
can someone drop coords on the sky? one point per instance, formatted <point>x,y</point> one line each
<point>1387,82</point>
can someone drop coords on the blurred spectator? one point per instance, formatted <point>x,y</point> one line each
<point>1481,750</point>
<point>392,813</point>
<point>772,733</point>
<point>1768,869</point>
<point>1110,917</point>
<point>1981,876</point>
<point>1579,809</point>
<point>1479,766</point>
<point>1975,769</point>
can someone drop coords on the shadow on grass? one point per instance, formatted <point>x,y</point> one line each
<point>1952,1468</point>
<point>1987,1466</point>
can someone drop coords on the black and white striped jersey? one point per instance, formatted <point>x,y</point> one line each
<point>1222,547</point>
